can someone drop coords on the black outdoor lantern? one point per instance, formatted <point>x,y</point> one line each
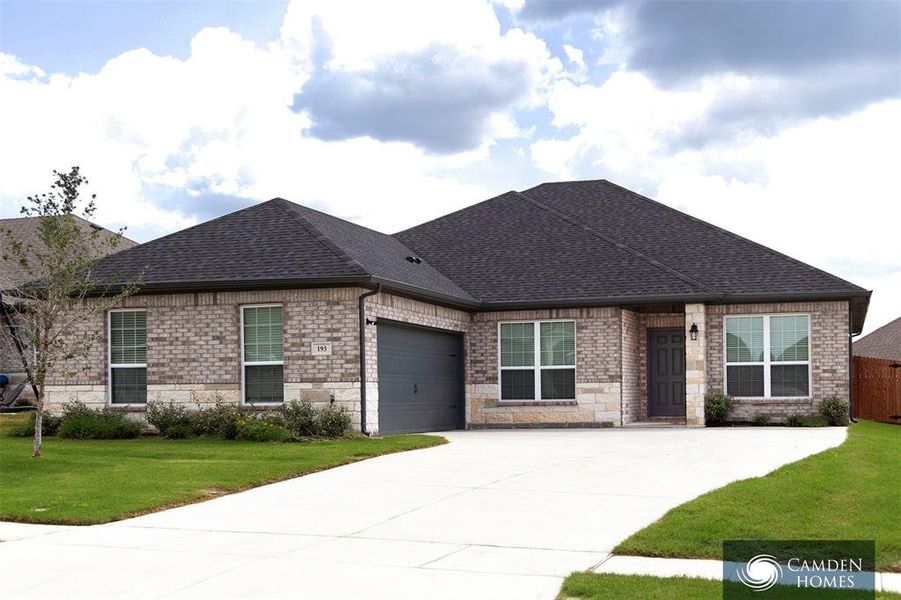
<point>693,332</point>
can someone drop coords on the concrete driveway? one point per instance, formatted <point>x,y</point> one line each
<point>492,514</point>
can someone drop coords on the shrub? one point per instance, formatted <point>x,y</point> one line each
<point>805,421</point>
<point>300,418</point>
<point>169,418</point>
<point>49,426</point>
<point>761,419</point>
<point>177,421</point>
<point>717,407</point>
<point>218,421</point>
<point>333,421</point>
<point>261,428</point>
<point>834,410</point>
<point>80,422</point>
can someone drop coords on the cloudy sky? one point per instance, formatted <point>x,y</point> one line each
<point>778,120</point>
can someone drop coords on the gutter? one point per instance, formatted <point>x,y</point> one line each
<point>373,292</point>
<point>851,337</point>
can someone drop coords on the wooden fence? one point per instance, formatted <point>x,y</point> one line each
<point>877,389</point>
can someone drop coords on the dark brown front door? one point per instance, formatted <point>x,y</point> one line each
<point>666,373</point>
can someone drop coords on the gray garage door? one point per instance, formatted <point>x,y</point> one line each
<point>420,379</point>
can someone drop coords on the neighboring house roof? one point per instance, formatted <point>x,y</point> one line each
<point>884,342</point>
<point>558,244</point>
<point>25,230</point>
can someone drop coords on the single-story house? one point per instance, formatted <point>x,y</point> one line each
<point>884,343</point>
<point>571,304</point>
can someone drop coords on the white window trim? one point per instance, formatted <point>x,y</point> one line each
<point>537,367</point>
<point>109,356</point>
<point>767,362</point>
<point>260,363</point>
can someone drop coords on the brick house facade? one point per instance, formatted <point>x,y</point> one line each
<point>625,312</point>
<point>194,356</point>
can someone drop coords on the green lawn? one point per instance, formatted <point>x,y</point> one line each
<point>83,482</point>
<point>643,587</point>
<point>849,492</point>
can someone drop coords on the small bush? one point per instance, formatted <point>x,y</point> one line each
<point>80,422</point>
<point>169,418</point>
<point>49,426</point>
<point>300,418</point>
<point>761,419</point>
<point>333,421</point>
<point>834,410</point>
<point>219,421</point>
<point>717,407</point>
<point>795,420</point>
<point>261,428</point>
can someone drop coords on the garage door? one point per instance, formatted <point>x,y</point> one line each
<point>420,379</point>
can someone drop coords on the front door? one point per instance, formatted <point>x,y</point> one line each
<point>666,373</point>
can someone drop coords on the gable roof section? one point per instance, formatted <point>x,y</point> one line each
<point>884,342</point>
<point>597,241</point>
<point>275,243</point>
<point>724,261</point>
<point>509,250</point>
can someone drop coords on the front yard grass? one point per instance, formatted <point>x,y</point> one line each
<point>83,482</point>
<point>644,587</point>
<point>849,492</point>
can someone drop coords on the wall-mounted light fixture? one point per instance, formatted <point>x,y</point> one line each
<point>370,321</point>
<point>693,332</point>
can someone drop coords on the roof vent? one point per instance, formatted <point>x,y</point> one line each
<point>414,259</point>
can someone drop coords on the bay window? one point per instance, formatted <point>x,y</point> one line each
<point>768,356</point>
<point>538,360</point>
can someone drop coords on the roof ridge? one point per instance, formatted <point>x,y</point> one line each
<point>454,212</point>
<point>318,235</point>
<point>729,233</point>
<point>615,242</point>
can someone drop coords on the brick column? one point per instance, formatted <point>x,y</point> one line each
<point>695,365</point>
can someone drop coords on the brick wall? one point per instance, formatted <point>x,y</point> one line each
<point>598,372</point>
<point>828,354</point>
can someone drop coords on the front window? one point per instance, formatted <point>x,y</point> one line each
<point>768,356</point>
<point>538,360</point>
<point>128,356</point>
<point>263,352</point>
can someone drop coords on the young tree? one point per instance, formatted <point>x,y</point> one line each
<point>60,296</point>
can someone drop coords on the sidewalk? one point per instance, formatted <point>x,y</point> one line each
<point>706,569</point>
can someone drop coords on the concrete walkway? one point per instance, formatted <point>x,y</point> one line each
<point>493,514</point>
<point>705,569</point>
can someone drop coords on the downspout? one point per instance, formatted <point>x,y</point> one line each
<point>378,288</point>
<point>851,366</point>
<point>15,336</point>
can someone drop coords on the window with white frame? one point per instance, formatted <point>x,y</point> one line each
<point>128,356</point>
<point>262,339</point>
<point>538,360</point>
<point>768,356</point>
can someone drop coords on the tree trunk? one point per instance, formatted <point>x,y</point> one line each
<point>38,423</point>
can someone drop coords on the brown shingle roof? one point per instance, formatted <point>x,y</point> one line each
<point>884,342</point>
<point>25,230</point>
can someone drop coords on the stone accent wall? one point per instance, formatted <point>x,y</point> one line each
<point>634,405</point>
<point>828,354</point>
<point>598,372</point>
<point>695,365</point>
